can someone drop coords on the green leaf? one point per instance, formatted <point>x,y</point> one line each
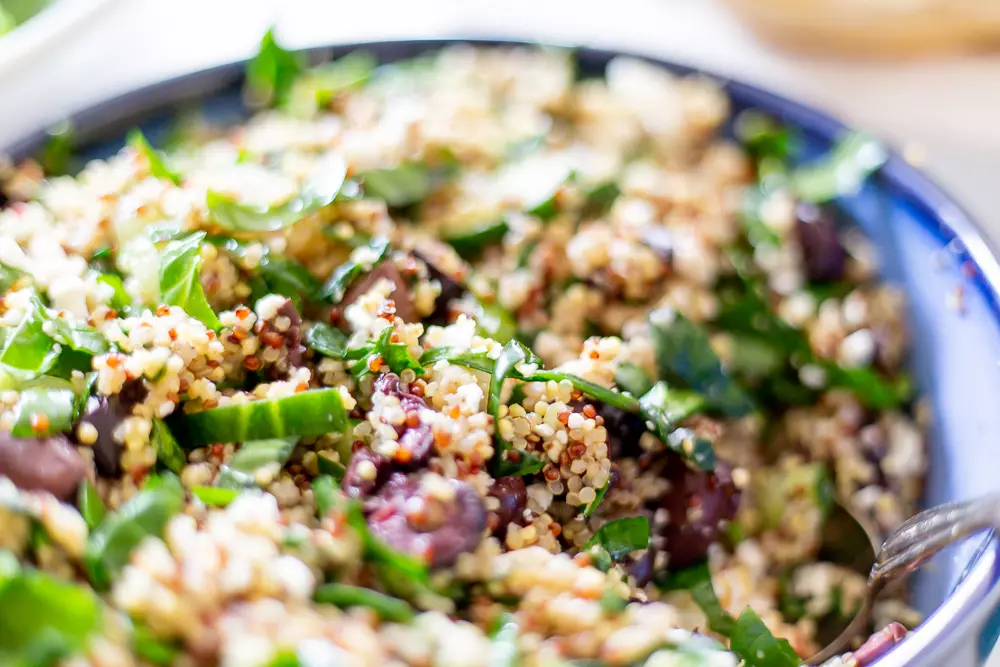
<point>43,618</point>
<point>762,136</point>
<point>602,394</point>
<point>318,192</point>
<point>317,87</point>
<point>600,198</point>
<point>685,357</point>
<point>57,153</point>
<point>345,274</point>
<point>304,414</point>
<point>496,322</point>
<point>470,243</point>
<point>632,379</point>
<point>326,340</point>
<point>400,186</point>
<point>9,277</point>
<point>58,406</point>
<point>90,505</point>
<point>666,408</point>
<point>526,463</point>
<point>271,74</point>
<point>215,496</point>
<point>251,458</point>
<point>168,452</point>
<point>873,390</point>
<point>841,172</point>
<point>327,466</point>
<point>622,536</point>
<point>325,492</point>
<point>120,300</point>
<point>479,361</point>
<point>388,608</point>
<point>394,355</point>
<point>157,162</point>
<point>697,580</point>
<point>180,284</point>
<point>27,347</point>
<point>272,273</point>
<point>598,499</point>
<point>513,353</point>
<point>144,515</point>
<point>151,649</point>
<point>752,641</point>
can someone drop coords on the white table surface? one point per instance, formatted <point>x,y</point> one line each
<point>950,107</point>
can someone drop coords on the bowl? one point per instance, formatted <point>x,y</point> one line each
<point>43,28</point>
<point>928,245</point>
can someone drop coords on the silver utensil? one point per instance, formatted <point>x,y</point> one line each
<point>910,546</point>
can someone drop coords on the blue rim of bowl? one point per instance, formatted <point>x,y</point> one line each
<point>974,599</point>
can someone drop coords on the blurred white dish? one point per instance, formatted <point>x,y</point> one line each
<point>43,29</point>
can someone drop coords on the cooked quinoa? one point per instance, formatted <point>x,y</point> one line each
<point>459,361</point>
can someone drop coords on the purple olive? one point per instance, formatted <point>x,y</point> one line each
<point>513,496</point>
<point>49,464</point>
<point>642,568</point>
<point>822,252</point>
<point>293,334</point>
<point>451,290</point>
<point>416,441</point>
<point>439,531</point>
<point>405,309</point>
<point>697,503</point>
<point>624,430</point>
<point>105,413</point>
<point>359,480</point>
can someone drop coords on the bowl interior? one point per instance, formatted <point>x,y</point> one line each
<point>926,244</point>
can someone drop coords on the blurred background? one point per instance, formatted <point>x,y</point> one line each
<point>920,73</point>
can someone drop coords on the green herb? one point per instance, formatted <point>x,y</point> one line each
<point>632,379</point>
<point>504,651</point>
<point>27,349</point>
<point>394,355</point>
<point>157,162</point>
<point>325,492</point>
<point>345,274</point>
<point>120,300</point>
<point>43,619</point>
<point>666,408</point>
<point>285,658</point>
<point>151,649</point>
<point>304,414</point>
<point>601,197</point>
<point>512,354</point>
<point>327,466</point>
<point>272,273</point>
<point>470,243</point>
<point>318,192</point>
<point>9,277</point>
<point>622,536</point>
<point>253,457</point>
<point>840,172</point>
<point>762,136</point>
<point>405,184</point>
<point>145,514</point>
<point>781,490</point>
<point>215,496</point>
<point>90,505</point>
<point>479,361</point>
<point>697,580</point>
<point>598,499</point>
<point>58,406</point>
<point>271,74</point>
<point>870,388</point>
<point>685,357</point>
<point>752,641</point>
<point>168,452</point>
<point>326,340</point>
<point>602,394</point>
<point>612,603</point>
<point>180,283</point>
<point>496,322</point>
<point>388,608</point>
<point>57,153</point>
<point>317,87</point>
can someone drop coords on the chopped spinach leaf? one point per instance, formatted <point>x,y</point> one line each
<point>215,496</point>
<point>90,505</point>
<point>854,157</point>
<point>168,452</point>
<point>396,356</point>
<point>326,340</point>
<point>697,580</point>
<point>253,458</point>
<point>512,354</point>
<point>44,411</point>
<point>157,162</point>
<point>405,184</point>
<point>154,651</point>
<point>387,608</point>
<point>180,282</point>
<point>752,641</point>
<point>318,86</point>
<point>632,379</point>
<point>622,536</point>
<point>665,408</point>
<point>271,74</point>
<point>57,152</point>
<point>345,274</point>
<point>470,243</point>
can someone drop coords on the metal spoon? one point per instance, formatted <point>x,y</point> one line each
<point>909,547</point>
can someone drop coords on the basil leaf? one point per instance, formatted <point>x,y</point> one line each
<point>253,457</point>
<point>327,466</point>
<point>325,492</point>
<point>632,379</point>
<point>519,463</point>
<point>90,505</point>
<point>854,157</point>
<point>157,162</point>
<point>215,496</point>
<point>180,285</point>
<point>43,618</point>
<point>396,356</point>
<point>470,243</point>
<point>387,608</point>
<point>168,452</point>
<point>271,74</point>
<point>762,136</point>
<point>288,278</point>
<point>120,300</point>
<point>621,537</point>
<point>9,277</point>
<point>145,514</point>
<point>602,394</point>
<point>57,152</point>
<point>317,87</point>
<point>494,321</point>
<point>345,274</point>
<point>151,649</point>
<point>697,580</point>
<point>512,354</point>
<point>318,192</point>
<point>304,414</point>
<point>665,408</point>
<point>598,499</point>
<point>55,406</point>
<point>600,198</point>
<point>869,387</point>
<point>479,361</point>
<point>685,357</point>
<point>752,641</point>
<point>326,340</point>
<point>400,186</point>
<point>27,347</point>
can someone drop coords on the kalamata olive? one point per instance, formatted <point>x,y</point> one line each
<point>451,290</point>
<point>417,441</point>
<point>400,295</point>
<point>822,252</point>
<point>293,334</point>
<point>513,496</point>
<point>106,413</point>
<point>696,503</point>
<point>642,568</point>
<point>624,430</point>
<point>366,472</point>
<point>42,464</point>
<point>406,517</point>
<point>879,644</point>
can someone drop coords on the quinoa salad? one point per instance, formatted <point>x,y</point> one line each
<point>467,360</point>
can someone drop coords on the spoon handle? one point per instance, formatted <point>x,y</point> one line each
<point>927,533</point>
